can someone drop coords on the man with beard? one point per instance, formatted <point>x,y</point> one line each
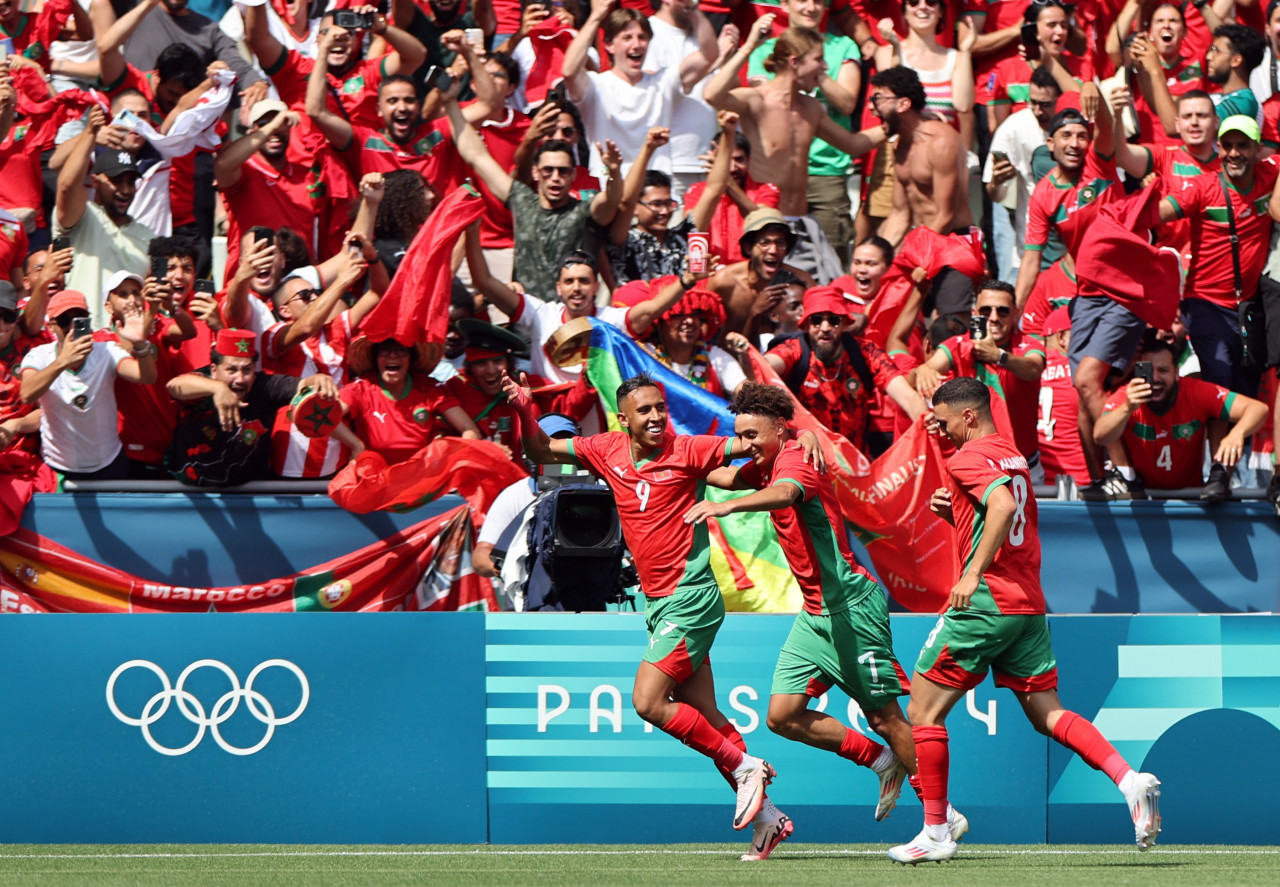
<point>353,80</point>
<point>656,477</point>
<point>106,239</point>
<point>835,375</point>
<point>1162,425</point>
<point>750,289</point>
<point>1227,260</point>
<point>490,353</point>
<point>223,433</point>
<point>262,187</point>
<point>549,222</point>
<point>742,197</point>
<point>1178,165</point>
<point>930,190</point>
<point>781,120</point>
<point>1236,50</point>
<point>404,140</point>
<point>1003,360</point>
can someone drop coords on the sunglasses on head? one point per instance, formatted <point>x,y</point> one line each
<point>1001,310</point>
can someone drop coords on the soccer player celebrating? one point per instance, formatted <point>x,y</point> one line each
<point>996,620</point>
<point>842,635</point>
<point>656,475</point>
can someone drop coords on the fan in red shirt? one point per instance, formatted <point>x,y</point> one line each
<point>742,197</point>
<point>1058,428</point>
<point>1162,426</point>
<point>839,388</point>
<point>394,408</point>
<point>1005,361</point>
<point>1166,71</point>
<point>262,187</point>
<point>19,422</point>
<point>1210,294</point>
<point>352,81</point>
<point>32,33</point>
<point>1010,79</point>
<point>491,351</point>
<point>148,414</point>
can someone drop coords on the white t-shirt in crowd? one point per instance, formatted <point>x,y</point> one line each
<point>506,508</point>
<point>542,319</point>
<point>1018,137</point>
<point>78,412</point>
<point>614,110</point>
<point>693,121</point>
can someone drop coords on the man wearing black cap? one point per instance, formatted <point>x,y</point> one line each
<point>491,351</point>
<point>102,233</point>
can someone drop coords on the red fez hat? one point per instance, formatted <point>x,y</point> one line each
<point>236,343</point>
<point>823,299</point>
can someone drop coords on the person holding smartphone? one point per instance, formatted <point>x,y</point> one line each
<point>72,379</point>
<point>1046,31</point>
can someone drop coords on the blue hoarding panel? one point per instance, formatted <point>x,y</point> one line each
<point>268,728</point>
<point>570,761</point>
<point>1190,699</point>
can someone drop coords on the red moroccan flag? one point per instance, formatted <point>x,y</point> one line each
<point>478,470</point>
<point>415,308</point>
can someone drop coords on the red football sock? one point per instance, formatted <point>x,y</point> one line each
<point>690,727</point>
<point>730,733</point>
<point>914,782</point>
<point>859,749</point>
<point>933,761</point>
<point>1083,738</point>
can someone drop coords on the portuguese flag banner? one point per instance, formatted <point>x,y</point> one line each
<point>424,567</point>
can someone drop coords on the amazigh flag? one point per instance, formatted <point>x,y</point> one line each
<point>478,470</point>
<point>423,567</point>
<point>415,308</point>
<point>748,561</point>
<point>927,249</point>
<point>887,501</point>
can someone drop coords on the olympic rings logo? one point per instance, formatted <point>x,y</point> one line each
<point>194,711</point>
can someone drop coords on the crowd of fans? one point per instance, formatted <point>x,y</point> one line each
<point>820,151</point>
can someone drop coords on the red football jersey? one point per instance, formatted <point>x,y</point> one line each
<point>1020,396</point>
<point>1057,430</point>
<point>653,496</point>
<point>397,428</point>
<point>837,396</point>
<point>147,415</point>
<point>1054,288</point>
<point>502,138</point>
<point>497,420</point>
<point>1069,208</point>
<point>354,96</point>
<point>1210,276</point>
<point>811,533</point>
<point>1011,584</point>
<point>1167,450</point>
<point>429,151</point>
<point>290,198</point>
<point>1178,172</point>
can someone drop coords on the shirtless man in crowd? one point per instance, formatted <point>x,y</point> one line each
<point>781,122</point>
<point>752,288</point>
<point>930,194</point>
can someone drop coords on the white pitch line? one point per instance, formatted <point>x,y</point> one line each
<point>267,854</point>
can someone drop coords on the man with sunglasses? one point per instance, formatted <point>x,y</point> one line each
<point>838,385</point>
<point>19,421</point>
<point>1005,360</point>
<point>550,221</point>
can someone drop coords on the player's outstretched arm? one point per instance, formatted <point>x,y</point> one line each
<point>726,479</point>
<point>538,446</point>
<point>780,495</point>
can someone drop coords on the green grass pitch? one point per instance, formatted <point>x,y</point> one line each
<point>683,865</point>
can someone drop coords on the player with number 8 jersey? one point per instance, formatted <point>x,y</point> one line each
<point>656,476</point>
<point>996,620</point>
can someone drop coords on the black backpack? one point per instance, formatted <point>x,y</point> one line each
<point>795,378</point>
<point>575,549</point>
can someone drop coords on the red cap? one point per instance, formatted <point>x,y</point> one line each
<point>1058,320</point>
<point>236,343</point>
<point>65,301</point>
<point>821,299</point>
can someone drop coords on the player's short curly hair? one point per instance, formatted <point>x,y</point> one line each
<point>635,383</point>
<point>758,399</point>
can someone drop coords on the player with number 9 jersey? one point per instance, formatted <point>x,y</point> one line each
<point>651,494</point>
<point>1011,584</point>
